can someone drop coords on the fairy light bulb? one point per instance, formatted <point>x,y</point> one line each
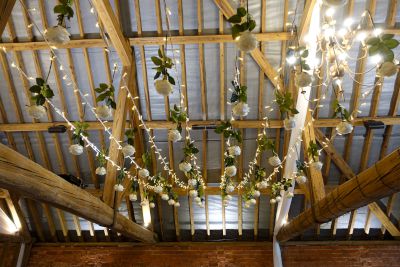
<point>291,60</point>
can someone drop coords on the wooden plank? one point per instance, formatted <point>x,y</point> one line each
<point>6,8</point>
<point>32,180</point>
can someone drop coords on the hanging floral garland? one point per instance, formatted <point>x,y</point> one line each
<point>242,25</point>
<point>59,34</point>
<point>163,64</point>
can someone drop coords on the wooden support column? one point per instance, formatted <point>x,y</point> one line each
<point>33,181</point>
<point>379,181</point>
<point>6,6</point>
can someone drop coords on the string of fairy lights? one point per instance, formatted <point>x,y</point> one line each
<point>328,34</point>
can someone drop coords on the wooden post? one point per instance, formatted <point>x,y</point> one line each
<point>372,184</point>
<point>32,180</point>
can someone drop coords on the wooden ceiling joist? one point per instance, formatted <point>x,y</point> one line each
<point>375,183</point>
<point>32,180</point>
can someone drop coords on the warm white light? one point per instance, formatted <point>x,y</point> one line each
<point>342,32</point>
<point>361,36</point>
<point>376,59</point>
<point>330,12</point>
<point>342,56</point>
<point>7,225</point>
<point>291,60</point>
<point>377,31</point>
<point>348,22</point>
<point>329,32</point>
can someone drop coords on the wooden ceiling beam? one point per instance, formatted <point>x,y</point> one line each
<point>377,182</point>
<point>5,13</point>
<point>251,124</point>
<point>33,181</point>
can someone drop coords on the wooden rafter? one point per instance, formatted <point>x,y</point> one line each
<point>5,12</point>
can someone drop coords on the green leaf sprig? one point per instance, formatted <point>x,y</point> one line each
<point>178,116</point>
<point>300,53</point>
<point>280,185</point>
<point>382,45</point>
<point>301,167</point>
<point>239,94</point>
<point>80,130</point>
<point>42,91</point>
<point>190,149</point>
<point>242,21</point>
<point>225,128</point>
<point>285,103</point>
<point>101,158</point>
<point>64,10</point>
<point>146,158</point>
<point>106,93</point>
<point>259,173</point>
<point>121,176</point>
<point>340,111</point>
<point>313,150</point>
<point>266,144</point>
<point>163,64</point>
<point>130,136</point>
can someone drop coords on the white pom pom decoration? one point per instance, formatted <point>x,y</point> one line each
<point>253,201</point>
<point>278,198</point>
<point>247,42</point>
<point>289,123</point>
<point>164,196</point>
<point>193,193</point>
<point>177,204</point>
<point>57,35</point>
<point>234,151</point>
<point>163,87</point>
<point>344,127</point>
<point>256,193</point>
<point>197,199</point>
<point>152,205</point>
<point>158,189</point>
<point>230,170</point>
<point>101,171</point>
<point>317,165</point>
<point>301,179</point>
<point>303,79</point>
<point>185,166</point>
<point>36,112</point>
<point>128,150</point>
<point>241,109</point>
<point>230,188</point>
<point>192,182</point>
<point>132,196</point>
<point>263,184</point>
<point>75,149</point>
<point>104,112</point>
<point>174,136</point>
<point>387,69</point>
<point>119,187</point>
<point>143,173</point>
<point>272,201</point>
<point>171,202</point>
<point>274,161</point>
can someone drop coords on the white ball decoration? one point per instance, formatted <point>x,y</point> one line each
<point>133,197</point>
<point>143,173</point>
<point>36,112</point>
<point>101,171</point>
<point>344,127</point>
<point>289,123</point>
<point>197,199</point>
<point>152,205</point>
<point>335,3</point>
<point>192,182</point>
<point>174,135</point>
<point>185,166</point>
<point>256,193</point>
<point>164,196</point>
<point>263,184</point>
<point>104,112</point>
<point>171,202</point>
<point>387,69</point>
<point>316,165</point>
<point>289,195</point>
<point>163,87</point>
<point>75,149</point>
<point>193,193</point>
<point>272,201</point>
<point>247,204</point>
<point>158,189</point>
<point>177,204</point>
<point>119,187</point>
<point>241,109</point>
<point>57,35</point>
<point>278,198</point>
<point>230,188</point>
<point>303,79</point>
<point>128,150</point>
<point>301,179</point>
<point>234,151</point>
<point>274,161</point>
<point>253,201</point>
<point>230,170</point>
<point>247,42</point>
